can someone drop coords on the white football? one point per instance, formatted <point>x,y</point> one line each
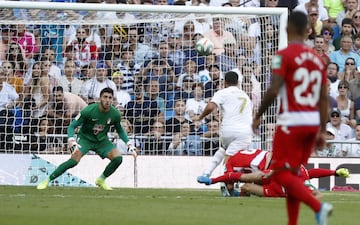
<point>204,46</point>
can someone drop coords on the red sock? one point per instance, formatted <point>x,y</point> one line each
<point>227,177</point>
<point>297,192</point>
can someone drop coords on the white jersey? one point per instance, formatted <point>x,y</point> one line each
<point>236,109</point>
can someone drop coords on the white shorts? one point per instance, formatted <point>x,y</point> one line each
<point>233,145</point>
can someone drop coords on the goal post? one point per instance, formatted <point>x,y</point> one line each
<point>155,26</point>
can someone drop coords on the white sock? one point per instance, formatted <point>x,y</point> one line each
<point>215,161</point>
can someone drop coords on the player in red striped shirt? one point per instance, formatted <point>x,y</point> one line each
<point>299,78</point>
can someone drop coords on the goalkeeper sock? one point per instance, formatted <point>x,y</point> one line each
<point>215,160</point>
<point>62,168</point>
<point>112,166</point>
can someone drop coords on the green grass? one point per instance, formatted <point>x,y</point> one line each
<point>92,206</point>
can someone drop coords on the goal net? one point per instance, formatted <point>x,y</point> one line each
<point>56,58</point>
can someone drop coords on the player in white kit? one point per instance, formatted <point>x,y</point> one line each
<point>236,111</point>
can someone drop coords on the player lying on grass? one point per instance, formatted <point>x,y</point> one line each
<point>260,183</point>
<point>94,121</point>
<point>251,160</point>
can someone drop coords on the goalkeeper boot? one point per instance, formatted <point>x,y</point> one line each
<point>324,213</point>
<point>43,184</point>
<point>101,183</point>
<point>204,180</point>
<point>343,172</point>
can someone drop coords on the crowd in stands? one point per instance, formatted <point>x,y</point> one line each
<point>49,72</point>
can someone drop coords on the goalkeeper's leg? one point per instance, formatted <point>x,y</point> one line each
<point>116,160</point>
<point>58,171</point>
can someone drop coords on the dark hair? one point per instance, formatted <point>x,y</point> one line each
<point>197,85</point>
<point>107,90</point>
<point>337,66</point>
<point>58,88</point>
<point>343,83</point>
<point>231,78</point>
<point>347,21</point>
<point>213,65</point>
<point>299,21</point>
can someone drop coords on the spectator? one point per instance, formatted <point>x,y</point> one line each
<point>342,131</point>
<point>186,90</point>
<point>27,40</point>
<point>349,71</point>
<point>63,108</point>
<point>346,30</point>
<point>153,92</point>
<point>204,76</point>
<point>193,55</point>
<point>333,8</point>
<point>142,111</point>
<point>351,7</point>
<point>155,143</point>
<point>160,70</point>
<point>215,83</point>
<point>304,7</point>
<point>8,94</point>
<point>7,32</point>
<point>185,143</point>
<point>142,52</point>
<point>339,56</point>
<point>319,48</point>
<point>330,148</point>
<point>113,52</point>
<point>90,91</point>
<point>129,69</point>
<point>86,52</point>
<point>314,22</point>
<point>345,105</point>
<point>173,124</point>
<point>354,86</point>
<point>356,45</point>
<point>227,59</point>
<point>120,144</point>
<point>69,82</point>
<point>191,70</point>
<point>249,48</point>
<point>219,36</point>
<point>353,150</point>
<point>211,138</point>
<point>196,105</point>
<point>16,55</point>
<point>8,100</point>
<point>247,72</point>
<point>52,35</point>
<point>175,52</point>
<point>187,35</point>
<point>357,109</point>
<point>328,33</point>
<point>332,101</point>
<point>163,54</point>
<point>43,140</point>
<point>49,55</point>
<point>332,74</point>
<point>356,22</point>
<point>122,97</point>
<point>16,82</point>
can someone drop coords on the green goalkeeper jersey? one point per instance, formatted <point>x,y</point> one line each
<point>95,125</point>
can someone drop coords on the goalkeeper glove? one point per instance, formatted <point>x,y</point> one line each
<point>72,144</point>
<point>132,149</point>
<point>343,172</point>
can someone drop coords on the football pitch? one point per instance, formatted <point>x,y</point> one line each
<point>124,206</point>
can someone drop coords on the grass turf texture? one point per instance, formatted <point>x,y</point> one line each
<point>86,206</point>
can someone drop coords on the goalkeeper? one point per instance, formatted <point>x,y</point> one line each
<point>95,121</point>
